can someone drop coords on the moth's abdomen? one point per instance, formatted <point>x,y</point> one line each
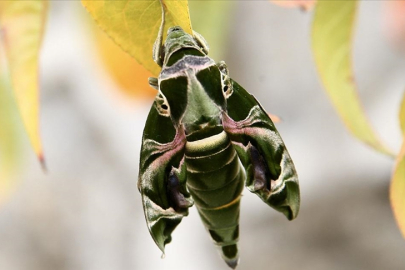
<point>215,180</point>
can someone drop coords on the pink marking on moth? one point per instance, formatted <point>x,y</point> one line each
<point>154,172</point>
<point>168,149</point>
<point>245,126</point>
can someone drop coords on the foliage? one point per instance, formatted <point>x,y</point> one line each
<point>397,189</point>
<point>9,140</point>
<point>332,34</point>
<point>122,67</point>
<point>22,23</point>
<point>133,25</point>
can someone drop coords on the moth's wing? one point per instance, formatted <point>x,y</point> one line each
<point>162,177</point>
<point>270,171</point>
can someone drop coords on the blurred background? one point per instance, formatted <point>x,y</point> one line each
<point>86,213</point>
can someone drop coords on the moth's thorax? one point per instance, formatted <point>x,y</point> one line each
<point>201,111</point>
<point>192,87</point>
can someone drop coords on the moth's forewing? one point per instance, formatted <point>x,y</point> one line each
<point>162,177</point>
<point>270,171</point>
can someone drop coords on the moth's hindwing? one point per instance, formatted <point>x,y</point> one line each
<point>270,171</point>
<point>162,176</point>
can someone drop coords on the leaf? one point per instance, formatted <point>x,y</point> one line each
<point>9,139</point>
<point>130,76</point>
<point>332,33</point>
<point>134,25</point>
<point>402,115</point>
<point>397,189</point>
<point>303,4</point>
<point>22,24</point>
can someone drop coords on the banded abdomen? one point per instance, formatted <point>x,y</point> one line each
<point>215,180</point>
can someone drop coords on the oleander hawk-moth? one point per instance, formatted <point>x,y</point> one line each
<point>204,139</point>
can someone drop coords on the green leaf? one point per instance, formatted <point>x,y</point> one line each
<point>22,24</point>
<point>134,24</point>
<point>332,33</point>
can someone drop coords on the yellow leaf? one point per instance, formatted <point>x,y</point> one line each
<point>22,24</point>
<point>303,4</point>
<point>397,190</point>
<point>332,33</point>
<point>9,139</point>
<point>134,25</point>
<point>402,115</point>
<point>131,77</point>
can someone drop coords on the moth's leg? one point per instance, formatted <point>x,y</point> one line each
<point>153,82</point>
<point>177,193</point>
<point>259,170</point>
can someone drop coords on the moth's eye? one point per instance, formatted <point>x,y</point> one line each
<point>174,29</point>
<point>162,105</point>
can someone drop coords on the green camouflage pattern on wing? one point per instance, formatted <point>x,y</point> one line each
<point>252,130</point>
<point>205,139</point>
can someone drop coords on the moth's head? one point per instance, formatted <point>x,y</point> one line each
<point>178,39</point>
<point>175,33</point>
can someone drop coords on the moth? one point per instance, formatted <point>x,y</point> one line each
<point>205,138</point>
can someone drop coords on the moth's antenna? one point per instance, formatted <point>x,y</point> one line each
<point>158,45</point>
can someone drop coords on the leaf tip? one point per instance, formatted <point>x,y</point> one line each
<point>41,159</point>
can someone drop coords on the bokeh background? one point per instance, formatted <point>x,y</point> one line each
<point>85,213</point>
